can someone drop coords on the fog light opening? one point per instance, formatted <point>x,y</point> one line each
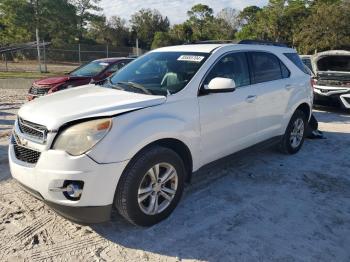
<point>74,189</point>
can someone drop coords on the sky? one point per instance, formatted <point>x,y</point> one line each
<point>175,10</point>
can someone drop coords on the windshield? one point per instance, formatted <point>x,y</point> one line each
<point>90,69</point>
<point>334,63</point>
<point>159,73</point>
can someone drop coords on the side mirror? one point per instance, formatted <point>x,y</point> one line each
<point>220,85</point>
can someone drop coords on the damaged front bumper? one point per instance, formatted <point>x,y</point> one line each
<point>338,95</point>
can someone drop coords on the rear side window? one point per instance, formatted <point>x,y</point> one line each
<point>267,67</point>
<point>294,57</point>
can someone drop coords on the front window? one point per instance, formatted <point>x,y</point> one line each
<point>90,69</point>
<point>233,66</point>
<point>159,73</point>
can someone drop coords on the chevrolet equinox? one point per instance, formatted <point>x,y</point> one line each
<point>134,140</point>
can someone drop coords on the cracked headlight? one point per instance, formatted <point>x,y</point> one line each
<point>80,138</point>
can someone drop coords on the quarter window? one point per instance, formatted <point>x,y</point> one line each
<point>285,71</point>
<point>294,57</point>
<point>267,67</point>
<point>234,66</point>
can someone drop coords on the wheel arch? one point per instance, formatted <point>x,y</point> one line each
<point>305,108</point>
<point>177,146</point>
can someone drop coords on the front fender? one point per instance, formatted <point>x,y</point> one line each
<point>133,131</point>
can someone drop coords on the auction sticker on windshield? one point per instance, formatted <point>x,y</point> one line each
<point>191,58</point>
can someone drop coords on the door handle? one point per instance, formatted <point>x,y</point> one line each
<point>288,86</point>
<point>251,98</point>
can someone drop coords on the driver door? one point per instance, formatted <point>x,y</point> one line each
<point>228,120</point>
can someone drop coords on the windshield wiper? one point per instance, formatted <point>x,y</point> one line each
<point>136,86</point>
<point>109,83</point>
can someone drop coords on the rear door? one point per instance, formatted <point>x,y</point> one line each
<point>228,120</point>
<point>270,78</point>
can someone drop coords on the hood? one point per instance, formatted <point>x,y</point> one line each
<point>57,80</point>
<point>82,102</point>
<point>51,80</point>
<point>332,63</point>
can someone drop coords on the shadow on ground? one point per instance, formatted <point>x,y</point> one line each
<point>4,171</point>
<point>261,206</point>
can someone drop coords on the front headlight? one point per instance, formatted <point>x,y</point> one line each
<point>80,138</point>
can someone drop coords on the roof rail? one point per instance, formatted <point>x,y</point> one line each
<point>216,42</point>
<point>261,42</point>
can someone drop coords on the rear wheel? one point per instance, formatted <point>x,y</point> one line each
<point>151,186</point>
<point>293,138</point>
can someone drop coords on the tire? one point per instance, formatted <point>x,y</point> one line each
<point>139,177</point>
<point>288,144</point>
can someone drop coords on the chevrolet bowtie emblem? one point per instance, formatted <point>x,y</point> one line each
<point>22,141</point>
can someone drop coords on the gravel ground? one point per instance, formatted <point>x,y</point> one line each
<point>264,206</point>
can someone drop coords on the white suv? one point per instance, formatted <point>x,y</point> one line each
<point>133,141</point>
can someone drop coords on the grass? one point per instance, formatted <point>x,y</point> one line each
<point>7,75</point>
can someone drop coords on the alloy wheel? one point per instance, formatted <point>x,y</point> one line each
<point>157,188</point>
<point>297,133</point>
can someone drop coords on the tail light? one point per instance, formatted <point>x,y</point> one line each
<point>313,82</point>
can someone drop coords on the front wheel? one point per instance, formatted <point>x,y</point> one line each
<point>151,186</point>
<point>293,138</point>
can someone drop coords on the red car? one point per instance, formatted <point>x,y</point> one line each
<point>96,70</point>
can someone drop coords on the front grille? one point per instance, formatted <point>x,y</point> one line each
<point>38,91</point>
<point>23,153</point>
<point>337,83</point>
<point>33,130</point>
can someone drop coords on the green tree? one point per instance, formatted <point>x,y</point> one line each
<point>97,31</point>
<point>120,32</point>
<point>15,27</point>
<point>86,13</point>
<point>199,17</point>
<point>182,33</point>
<point>145,23</point>
<point>327,27</point>
<point>278,21</point>
<point>112,31</point>
<point>248,15</point>
<point>230,16</point>
<point>162,39</point>
<point>55,20</point>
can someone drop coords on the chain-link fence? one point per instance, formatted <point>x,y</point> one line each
<point>68,54</point>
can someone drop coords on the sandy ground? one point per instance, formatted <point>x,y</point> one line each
<point>264,206</point>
